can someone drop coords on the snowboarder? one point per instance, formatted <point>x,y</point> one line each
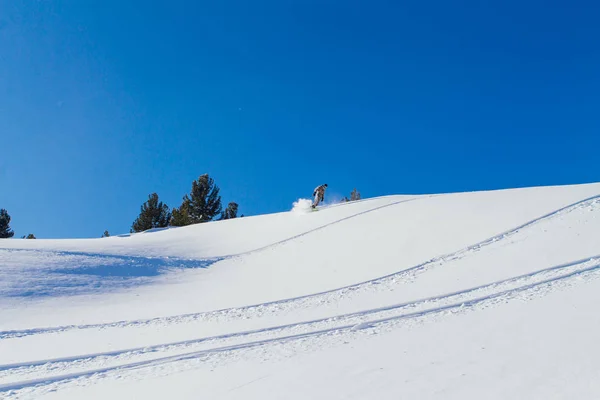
<point>319,194</point>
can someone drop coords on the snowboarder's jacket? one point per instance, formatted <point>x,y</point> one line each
<point>321,191</point>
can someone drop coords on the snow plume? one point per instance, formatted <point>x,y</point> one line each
<point>332,198</point>
<point>302,206</point>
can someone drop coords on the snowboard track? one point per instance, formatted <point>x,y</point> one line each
<point>593,267</point>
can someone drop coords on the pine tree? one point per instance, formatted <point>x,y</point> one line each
<point>355,195</point>
<point>105,234</point>
<point>153,214</point>
<point>203,203</point>
<point>230,212</point>
<point>180,216</point>
<point>30,236</point>
<point>5,231</point>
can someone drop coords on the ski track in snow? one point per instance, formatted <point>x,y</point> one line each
<point>22,378</point>
<point>542,276</point>
<point>583,268</point>
<point>269,246</point>
<point>318,298</point>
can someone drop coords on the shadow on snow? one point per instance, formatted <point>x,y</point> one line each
<point>39,273</point>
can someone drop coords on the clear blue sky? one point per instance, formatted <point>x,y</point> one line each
<point>104,102</point>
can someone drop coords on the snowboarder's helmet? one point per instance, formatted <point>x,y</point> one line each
<point>325,185</point>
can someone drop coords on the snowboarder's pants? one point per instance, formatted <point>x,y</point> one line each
<point>317,199</point>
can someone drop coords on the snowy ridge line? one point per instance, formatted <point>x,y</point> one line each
<point>223,257</point>
<point>331,319</point>
<point>446,257</point>
<point>342,204</point>
<point>458,307</point>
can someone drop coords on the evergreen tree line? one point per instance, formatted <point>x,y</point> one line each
<point>202,204</point>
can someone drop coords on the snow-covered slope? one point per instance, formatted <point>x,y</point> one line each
<point>470,295</point>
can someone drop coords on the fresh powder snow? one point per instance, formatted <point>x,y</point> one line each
<point>480,295</point>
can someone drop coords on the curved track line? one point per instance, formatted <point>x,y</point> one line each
<point>333,318</point>
<point>354,286</point>
<point>278,243</point>
<point>368,324</point>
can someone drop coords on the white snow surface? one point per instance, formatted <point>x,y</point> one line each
<point>479,295</point>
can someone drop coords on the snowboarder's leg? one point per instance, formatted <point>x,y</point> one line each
<point>316,201</point>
